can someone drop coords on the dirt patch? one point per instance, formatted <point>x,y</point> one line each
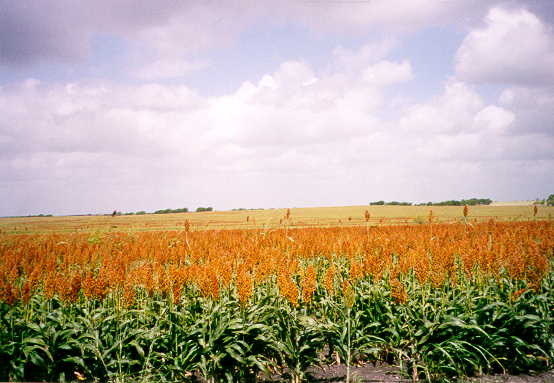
<point>545,377</point>
<point>367,374</point>
<point>384,373</point>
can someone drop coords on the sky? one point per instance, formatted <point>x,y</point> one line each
<point>135,105</point>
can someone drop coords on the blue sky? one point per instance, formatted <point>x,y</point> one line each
<point>138,105</point>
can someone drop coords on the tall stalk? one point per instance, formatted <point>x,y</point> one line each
<point>349,302</point>
<point>349,344</point>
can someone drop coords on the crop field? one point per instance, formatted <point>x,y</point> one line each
<point>175,298</point>
<point>273,218</point>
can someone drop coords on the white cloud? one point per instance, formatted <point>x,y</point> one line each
<point>449,113</point>
<point>493,119</point>
<point>386,73</point>
<point>294,136</point>
<point>286,139</point>
<point>514,47</point>
<point>533,107</point>
<point>166,68</point>
<point>527,98</point>
<point>367,54</point>
<point>166,30</point>
<point>99,118</point>
<point>396,16</point>
<point>459,127</point>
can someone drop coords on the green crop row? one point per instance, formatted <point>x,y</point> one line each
<point>478,325</point>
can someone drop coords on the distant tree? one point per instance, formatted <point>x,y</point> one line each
<point>468,202</point>
<point>201,209</point>
<point>114,213</point>
<point>476,201</point>
<point>550,200</point>
<point>168,211</point>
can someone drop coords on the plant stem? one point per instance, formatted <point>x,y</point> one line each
<point>349,345</point>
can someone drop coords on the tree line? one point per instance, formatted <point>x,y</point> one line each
<point>469,202</point>
<point>164,211</point>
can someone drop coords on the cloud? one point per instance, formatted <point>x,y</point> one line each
<point>297,106</point>
<point>493,119</point>
<point>94,118</point>
<point>31,31</point>
<point>533,107</point>
<point>457,126</point>
<point>299,133</point>
<point>167,68</point>
<point>165,35</point>
<point>294,136</point>
<point>396,16</point>
<point>451,112</point>
<point>369,53</point>
<point>514,47</point>
<point>386,73</point>
<point>166,30</point>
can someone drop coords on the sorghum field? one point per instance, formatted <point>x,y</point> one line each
<point>440,300</point>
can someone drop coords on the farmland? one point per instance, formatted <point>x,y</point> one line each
<point>175,297</point>
<point>272,218</point>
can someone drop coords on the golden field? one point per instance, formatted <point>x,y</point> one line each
<point>272,218</point>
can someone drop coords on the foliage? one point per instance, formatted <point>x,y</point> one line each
<point>169,211</point>
<point>391,203</point>
<point>475,327</point>
<point>470,202</point>
<point>463,202</point>
<point>245,209</point>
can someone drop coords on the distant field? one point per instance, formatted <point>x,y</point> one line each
<point>271,218</point>
<point>513,203</point>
